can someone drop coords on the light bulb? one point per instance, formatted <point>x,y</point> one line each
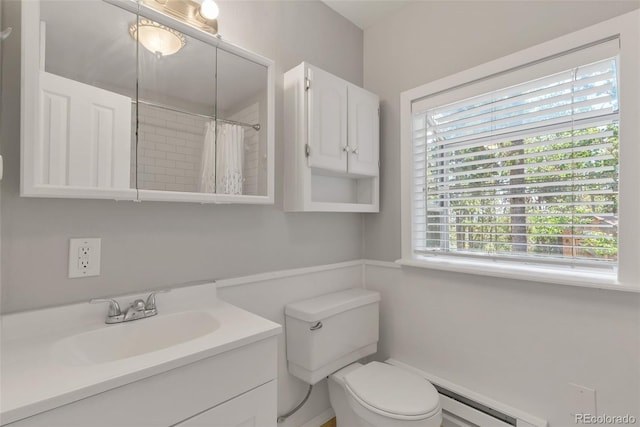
<point>209,9</point>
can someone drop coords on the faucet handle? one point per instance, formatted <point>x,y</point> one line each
<point>114,307</point>
<point>151,299</point>
<point>138,305</point>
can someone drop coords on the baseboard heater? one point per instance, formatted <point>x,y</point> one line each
<point>455,402</point>
<point>464,408</point>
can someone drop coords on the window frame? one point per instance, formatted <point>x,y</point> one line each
<point>627,276</point>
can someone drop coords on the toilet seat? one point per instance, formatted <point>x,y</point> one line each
<point>392,392</point>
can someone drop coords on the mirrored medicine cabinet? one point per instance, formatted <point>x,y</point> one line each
<point>121,101</point>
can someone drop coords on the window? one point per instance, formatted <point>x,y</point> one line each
<point>526,171</point>
<point>521,165</point>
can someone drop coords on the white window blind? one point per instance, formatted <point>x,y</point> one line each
<point>524,172</point>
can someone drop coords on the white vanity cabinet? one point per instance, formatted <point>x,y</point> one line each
<point>234,388</point>
<point>254,408</point>
<point>331,143</point>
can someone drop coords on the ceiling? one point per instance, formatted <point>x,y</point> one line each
<point>88,41</point>
<point>365,13</point>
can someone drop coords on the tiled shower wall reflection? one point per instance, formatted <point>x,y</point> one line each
<point>169,150</point>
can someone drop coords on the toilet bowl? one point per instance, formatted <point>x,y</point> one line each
<point>327,334</point>
<point>381,395</point>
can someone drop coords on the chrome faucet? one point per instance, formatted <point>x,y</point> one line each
<point>138,309</point>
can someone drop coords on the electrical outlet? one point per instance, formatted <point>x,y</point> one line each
<point>582,401</point>
<point>84,257</point>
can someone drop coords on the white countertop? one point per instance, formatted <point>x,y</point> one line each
<point>35,377</point>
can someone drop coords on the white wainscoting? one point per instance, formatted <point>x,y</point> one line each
<point>266,295</point>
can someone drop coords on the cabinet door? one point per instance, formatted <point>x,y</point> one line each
<point>327,97</point>
<point>364,132</point>
<point>86,135</point>
<point>256,408</point>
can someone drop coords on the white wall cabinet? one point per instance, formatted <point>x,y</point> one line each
<point>331,143</point>
<point>117,124</point>
<point>364,133</point>
<point>327,121</point>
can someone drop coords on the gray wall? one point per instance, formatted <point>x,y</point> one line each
<point>425,41</point>
<point>152,245</point>
<point>518,342</point>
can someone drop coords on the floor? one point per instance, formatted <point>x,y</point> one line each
<point>330,423</point>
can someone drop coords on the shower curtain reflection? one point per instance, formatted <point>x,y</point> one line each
<point>208,161</point>
<point>229,159</point>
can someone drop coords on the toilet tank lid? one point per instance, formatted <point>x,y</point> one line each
<point>324,306</point>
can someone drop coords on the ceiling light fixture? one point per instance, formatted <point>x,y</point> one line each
<point>208,9</point>
<point>157,38</point>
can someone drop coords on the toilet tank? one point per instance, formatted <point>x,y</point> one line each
<point>329,332</point>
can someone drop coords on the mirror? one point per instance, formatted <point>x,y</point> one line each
<point>242,112</point>
<point>87,81</point>
<point>177,100</point>
<point>134,104</point>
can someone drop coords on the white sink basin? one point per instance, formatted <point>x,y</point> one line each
<point>128,339</point>
<point>60,355</point>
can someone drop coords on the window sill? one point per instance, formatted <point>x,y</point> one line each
<point>559,276</point>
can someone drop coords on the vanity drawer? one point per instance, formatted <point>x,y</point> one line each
<point>254,408</point>
<point>173,396</point>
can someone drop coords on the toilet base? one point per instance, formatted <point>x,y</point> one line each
<point>345,417</point>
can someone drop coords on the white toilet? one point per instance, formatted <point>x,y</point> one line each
<point>327,334</point>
